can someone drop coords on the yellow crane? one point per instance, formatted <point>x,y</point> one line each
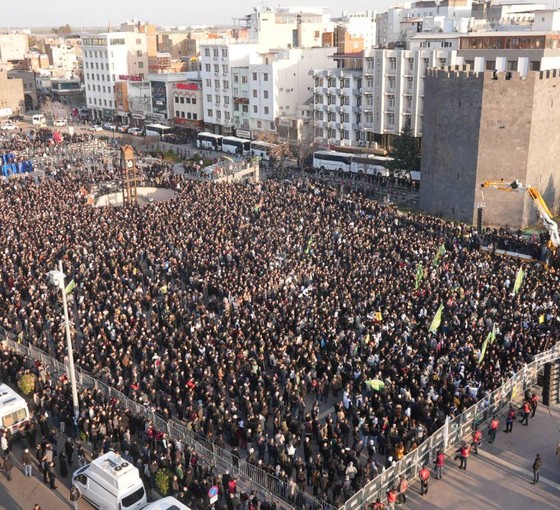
<point>538,202</point>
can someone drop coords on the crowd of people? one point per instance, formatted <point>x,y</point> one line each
<point>262,314</point>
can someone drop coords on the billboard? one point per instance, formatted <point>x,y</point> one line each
<point>159,98</point>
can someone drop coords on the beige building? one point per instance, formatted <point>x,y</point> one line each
<point>11,94</point>
<point>13,47</point>
<point>490,126</point>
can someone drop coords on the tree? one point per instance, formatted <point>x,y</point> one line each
<point>404,152</point>
<point>280,151</point>
<point>61,30</point>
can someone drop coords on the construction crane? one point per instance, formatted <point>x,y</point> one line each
<point>540,205</point>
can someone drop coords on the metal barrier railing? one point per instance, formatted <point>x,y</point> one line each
<point>256,478</point>
<point>453,431</point>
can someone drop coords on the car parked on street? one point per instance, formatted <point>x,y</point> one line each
<point>134,131</point>
<point>95,127</point>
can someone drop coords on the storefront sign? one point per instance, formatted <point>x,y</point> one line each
<point>129,77</point>
<point>185,86</point>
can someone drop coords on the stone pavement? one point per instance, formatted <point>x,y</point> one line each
<point>501,476</point>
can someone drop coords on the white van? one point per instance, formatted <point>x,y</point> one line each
<point>39,119</point>
<point>111,483</point>
<point>168,503</point>
<point>14,413</point>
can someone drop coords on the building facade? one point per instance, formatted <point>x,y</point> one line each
<point>487,126</point>
<point>107,57</point>
<point>11,94</point>
<point>13,47</point>
<point>187,105</point>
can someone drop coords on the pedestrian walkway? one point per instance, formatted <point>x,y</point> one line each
<point>501,475</point>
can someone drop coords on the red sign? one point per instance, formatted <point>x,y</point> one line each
<point>186,86</point>
<point>129,77</point>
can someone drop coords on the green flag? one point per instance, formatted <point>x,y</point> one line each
<point>70,287</point>
<point>485,344</point>
<point>375,384</point>
<point>518,280</point>
<point>437,319</point>
<point>419,275</point>
<point>493,334</point>
<point>309,243</point>
<point>439,254</point>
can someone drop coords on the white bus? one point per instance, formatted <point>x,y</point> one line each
<point>368,164</point>
<point>158,130</point>
<point>332,160</point>
<point>14,413</point>
<point>262,150</point>
<point>39,119</point>
<point>209,141</point>
<point>234,145</point>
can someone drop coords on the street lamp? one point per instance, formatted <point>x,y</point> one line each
<point>56,277</point>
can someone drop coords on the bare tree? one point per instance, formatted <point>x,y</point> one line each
<point>279,152</point>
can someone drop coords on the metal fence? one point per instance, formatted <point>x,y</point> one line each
<point>453,431</point>
<point>270,487</point>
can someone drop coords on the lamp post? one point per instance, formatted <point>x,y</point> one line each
<point>56,277</point>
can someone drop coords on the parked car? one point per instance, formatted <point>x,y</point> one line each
<point>134,131</point>
<point>8,126</point>
<point>95,127</point>
<point>108,126</point>
<point>16,118</point>
<point>60,122</point>
<point>122,129</point>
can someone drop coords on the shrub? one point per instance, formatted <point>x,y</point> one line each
<point>163,481</point>
<point>26,384</point>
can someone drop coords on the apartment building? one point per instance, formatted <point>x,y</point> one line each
<point>217,62</point>
<point>63,57</point>
<point>107,58</point>
<point>187,104</point>
<point>13,46</point>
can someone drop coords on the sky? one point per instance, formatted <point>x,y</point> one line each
<point>77,13</point>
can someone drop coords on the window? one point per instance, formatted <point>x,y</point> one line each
<point>87,76</point>
<point>254,76</point>
<point>140,65</point>
<point>265,76</point>
<point>138,53</point>
<point>217,84</point>
<point>265,94</point>
<point>183,115</point>
<point>209,98</point>
<point>208,68</point>
<point>14,417</point>
<point>225,68</point>
<point>224,52</point>
<point>210,113</point>
<point>194,100</point>
<point>216,52</point>
<point>244,79</point>
<point>255,109</point>
<point>535,65</point>
<point>259,124</point>
<point>187,100</point>
<point>206,52</point>
<point>216,68</point>
<point>254,92</point>
<point>182,100</point>
<point>226,84</point>
<point>512,65</point>
<point>195,116</point>
<point>133,498</point>
<point>490,65</point>
<point>245,108</point>
<point>176,99</point>
<point>236,79</point>
<point>227,115</point>
<point>226,100</point>
<point>177,113</point>
<point>208,82</point>
<point>266,110</point>
<point>138,41</point>
<point>218,114</point>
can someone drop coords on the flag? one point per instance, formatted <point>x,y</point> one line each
<point>437,320</point>
<point>541,318</point>
<point>484,345</point>
<point>518,280</point>
<point>70,287</point>
<point>493,334</point>
<point>309,243</point>
<point>439,254</point>
<point>375,384</point>
<point>419,275</point>
<point>378,316</point>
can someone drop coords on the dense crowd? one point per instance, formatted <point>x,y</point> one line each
<point>244,310</point>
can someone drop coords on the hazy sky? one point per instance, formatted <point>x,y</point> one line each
<point>162,12</point>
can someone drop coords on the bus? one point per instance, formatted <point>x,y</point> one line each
<point>369,164</point>
<point>263,150</point>
<point>332,160</point>
<point>209,141</point>
<point>158,130</point>
<point>234,145</point>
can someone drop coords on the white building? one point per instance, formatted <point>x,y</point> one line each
<point>361,24</point>
<point>109,58</point>
<point>63,57</point>
<point>289,27</point>
<point>13,46</point>
<point>217,63</point>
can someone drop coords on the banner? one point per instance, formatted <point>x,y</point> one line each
<point>439,254</point>
<point>70,287</point>
<point>419,275</point>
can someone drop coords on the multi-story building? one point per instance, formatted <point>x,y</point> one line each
<point>63,57</point>
<point>187,104</point>
<point>11,94</point>
<point>490,126</point>
<point>13,46</point>
<point>216,68</point>
<point>161,92</point>
<point>31,99</point>
<point>106,58</point>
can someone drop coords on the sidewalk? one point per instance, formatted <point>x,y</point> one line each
<point>501,475</point>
